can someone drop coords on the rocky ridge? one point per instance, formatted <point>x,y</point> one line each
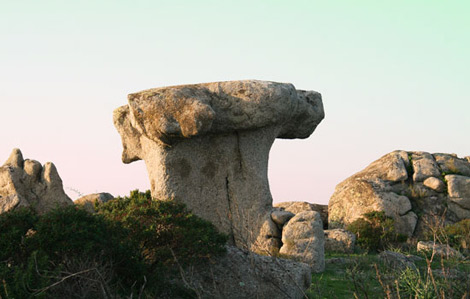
<point>27,183</point>
<point>416,189</point>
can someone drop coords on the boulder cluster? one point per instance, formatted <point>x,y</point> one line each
<point>417,189</point>
<point>27,183</point>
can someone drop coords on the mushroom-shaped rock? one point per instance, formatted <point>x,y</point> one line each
<point>207,145</point>
<point>26,183</point>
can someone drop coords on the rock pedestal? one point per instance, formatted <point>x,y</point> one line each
<point>207,145</point>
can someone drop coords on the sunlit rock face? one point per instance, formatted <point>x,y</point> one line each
<point>207,145</point>
<point>417,189</point>
<point>27,183</point>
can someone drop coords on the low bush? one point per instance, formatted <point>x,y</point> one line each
<point>129,248</point>
<point>375,231</point>
<point>164,230</point>
<point>48,248</point>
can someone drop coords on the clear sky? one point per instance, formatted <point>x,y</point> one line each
<point>393,75</point>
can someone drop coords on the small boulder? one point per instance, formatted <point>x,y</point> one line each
<point>435,184</point>
<point>268,241</point>
<point>303,239</point>
<point>339,240</point>
<point>88,201</point>
<point>459,190</point>
<point>396,260</point>
<point>296,207</point>
<point>439,249</point>
<point>424,166</point>
<point>281,217</point>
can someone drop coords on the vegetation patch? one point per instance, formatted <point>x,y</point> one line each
<point>366,276</point>
<point>375,231</point>
<point>459,235</point>
<point>133,247</point>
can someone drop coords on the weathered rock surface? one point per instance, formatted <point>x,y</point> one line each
<point>26,183</point>
<point>280,217</point>
<point>396,260</point>
<point>268,241</point>
<point>88,201</point>
<point>296,207</point>
<point>207,145</point>
<point>242,274</point>
<point>424,166</point>
<point>451,164</point>
<point>459,190</point>
<point>303,239</point>
<point>435,184</point>
<point>438,249</point>
<point>339,240</point>
<point>404,185</point>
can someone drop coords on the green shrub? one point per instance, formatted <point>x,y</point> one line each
<point>459,235</point>
<point>375,231</point>
<point>129,248</point>
<point>14,227</point>
<point>40,251</point>
<point>165,231</point>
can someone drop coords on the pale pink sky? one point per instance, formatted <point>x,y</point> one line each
<point>393,75</point>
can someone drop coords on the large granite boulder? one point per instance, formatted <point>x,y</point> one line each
<point>405,185</point>
<point>243,274</point>
<point>26,183</point>
<point>207,145</point>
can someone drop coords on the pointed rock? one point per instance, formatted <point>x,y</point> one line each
<point>50,175</point>
<point>27,183</point>
<point>15,159</point>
